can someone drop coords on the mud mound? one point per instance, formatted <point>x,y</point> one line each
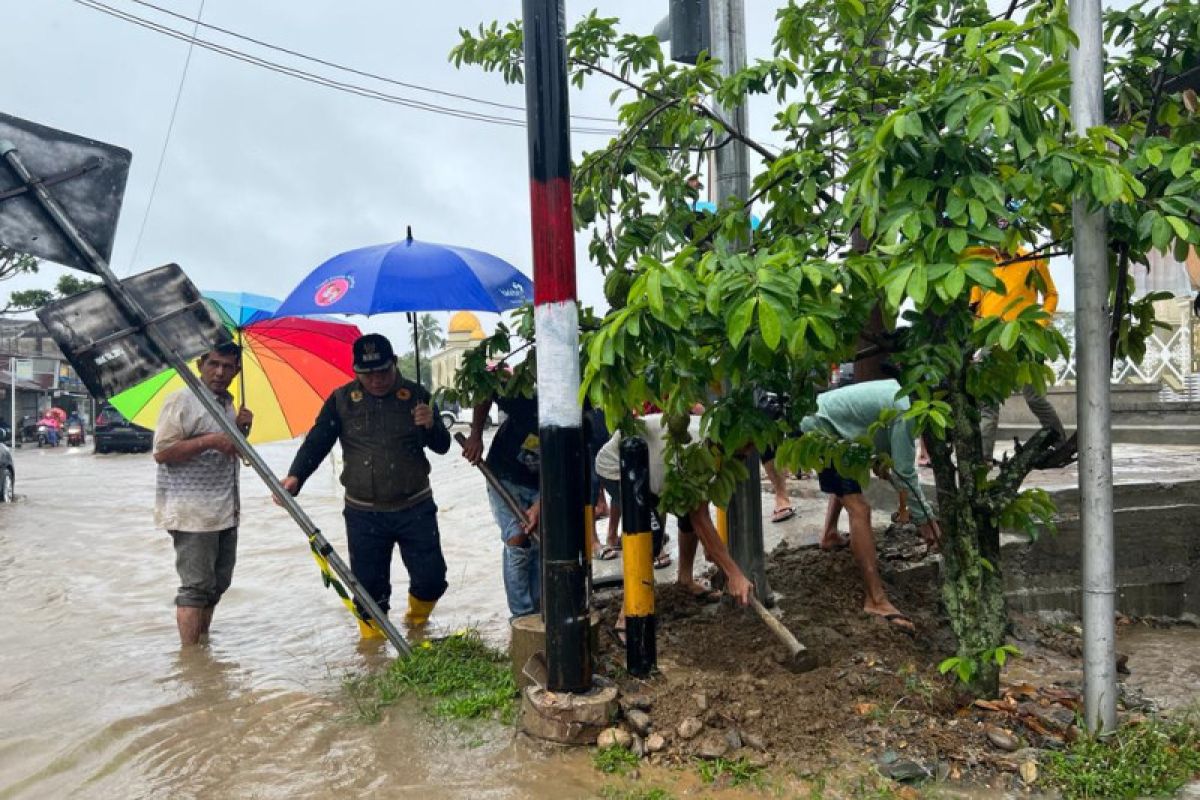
<point>877,696</point>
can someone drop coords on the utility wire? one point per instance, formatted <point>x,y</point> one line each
<point>162,156</point>
<point>321,80</point>
<point>352,70</point>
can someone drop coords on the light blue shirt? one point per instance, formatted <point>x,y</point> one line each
<point>850,412</point>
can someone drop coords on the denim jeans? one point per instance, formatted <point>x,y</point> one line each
<point>522,563</point>
<point>372,535</point>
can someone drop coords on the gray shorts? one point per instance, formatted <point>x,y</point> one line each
<point>204,562</point>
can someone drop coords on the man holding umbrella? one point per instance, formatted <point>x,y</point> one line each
<point>384,423</point>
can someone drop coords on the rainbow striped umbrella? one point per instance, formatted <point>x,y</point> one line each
<point>290,365</point>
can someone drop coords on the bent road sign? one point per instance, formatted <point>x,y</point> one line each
<point>85,176</point>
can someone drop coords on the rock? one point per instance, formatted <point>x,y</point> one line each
<point>701,701</point>
<point>714,745</point>
<point>689,728</point>
<point>754,741</point>
<point>655,743</point>
<point>1029,772</point>
<point>637,746</point>
<point>1002,739</point>
<point>613,737</point>
<point>905,771</point>
<point>733,739</point>
<point>639,701</point>
<point>753,714</point>
<point>639,721</point>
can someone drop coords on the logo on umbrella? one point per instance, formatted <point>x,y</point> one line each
<point>514,291</point>
<point>332,290</point>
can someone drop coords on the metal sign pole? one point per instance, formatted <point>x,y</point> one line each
<point>136,314</point>
<point>12,422</point>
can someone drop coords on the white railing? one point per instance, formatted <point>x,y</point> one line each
<point>1167,362</point>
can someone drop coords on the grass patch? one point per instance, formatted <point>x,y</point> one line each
<point>739,771</point>
<point>614,760</point>
<point>610,792</point>
<point>1154,757</point>
<point>469,679</point>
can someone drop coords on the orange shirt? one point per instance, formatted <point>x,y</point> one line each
<point>1023,281</point>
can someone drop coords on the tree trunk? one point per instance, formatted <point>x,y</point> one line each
<point>972,586</point>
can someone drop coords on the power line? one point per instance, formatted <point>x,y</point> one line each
<point>352,70</point>
<point>162,156</point>
<point>321,80</point>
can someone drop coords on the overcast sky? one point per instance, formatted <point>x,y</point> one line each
<point>266,176</point>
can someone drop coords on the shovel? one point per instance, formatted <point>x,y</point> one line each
<point>504,494</point>
<point>799,658</point>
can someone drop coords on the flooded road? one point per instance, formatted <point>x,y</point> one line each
<point>98,701</point>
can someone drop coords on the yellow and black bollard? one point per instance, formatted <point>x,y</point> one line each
<point>641,651</point>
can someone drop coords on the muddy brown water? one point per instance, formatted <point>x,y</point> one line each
<point>98,701</point>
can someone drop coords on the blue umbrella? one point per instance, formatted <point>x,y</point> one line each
<point>705,207</point>
<point>409,276</point>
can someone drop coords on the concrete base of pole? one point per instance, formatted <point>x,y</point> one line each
<point>528,638</point>
<point>575,719</point>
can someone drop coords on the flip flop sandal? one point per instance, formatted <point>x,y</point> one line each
<point>894,620</point>
<point>781,514</point>
<point>842,543</point>
<point>662,561</point>
<point>706,595</point>
<point>608,553</point>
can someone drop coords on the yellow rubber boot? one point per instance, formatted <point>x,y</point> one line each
<point>418,611</point>
<point>368,631</point>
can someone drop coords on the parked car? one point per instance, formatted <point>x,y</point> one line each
<point>8,475</point>
<point>114,432</point>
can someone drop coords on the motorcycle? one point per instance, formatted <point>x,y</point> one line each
<point>46,435</point>
<point>75,434</point>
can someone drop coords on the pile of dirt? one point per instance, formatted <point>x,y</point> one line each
<point>723,691</point>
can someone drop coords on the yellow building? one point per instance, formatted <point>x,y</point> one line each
<point>464,333</point>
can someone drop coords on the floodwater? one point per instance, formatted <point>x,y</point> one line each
<point>97,700</point>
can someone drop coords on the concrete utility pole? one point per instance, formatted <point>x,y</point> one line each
<point>1093,364</point>
<point>556,319</point>
<point>727,23</point>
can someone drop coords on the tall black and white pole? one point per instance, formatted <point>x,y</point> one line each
<point>727,24</point>
<point>556,320</point>
<point>1093,367</point>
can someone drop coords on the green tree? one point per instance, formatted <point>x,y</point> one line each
<point>33,299</point>
<point>429,334</point>
<point>12,264</point>
<point>913,127</point>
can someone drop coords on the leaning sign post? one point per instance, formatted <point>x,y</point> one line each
<point>68,213</point>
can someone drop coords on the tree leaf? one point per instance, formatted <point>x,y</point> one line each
<point>769,325</point>
<point>1012,331</point>
<point>958,240</point>
<point>918,285</point>
<point>1182,162</point>
<point>1180,226</point>
<point>740,319</point>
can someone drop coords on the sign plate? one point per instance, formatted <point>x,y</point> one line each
<point>109,352</point>
<point>92,198</point>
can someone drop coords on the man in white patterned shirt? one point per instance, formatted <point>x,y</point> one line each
<point>196,498</point>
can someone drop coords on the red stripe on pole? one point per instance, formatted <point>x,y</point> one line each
<point>553,241</point>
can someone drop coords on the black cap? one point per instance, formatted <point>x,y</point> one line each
<point>373,352</point>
